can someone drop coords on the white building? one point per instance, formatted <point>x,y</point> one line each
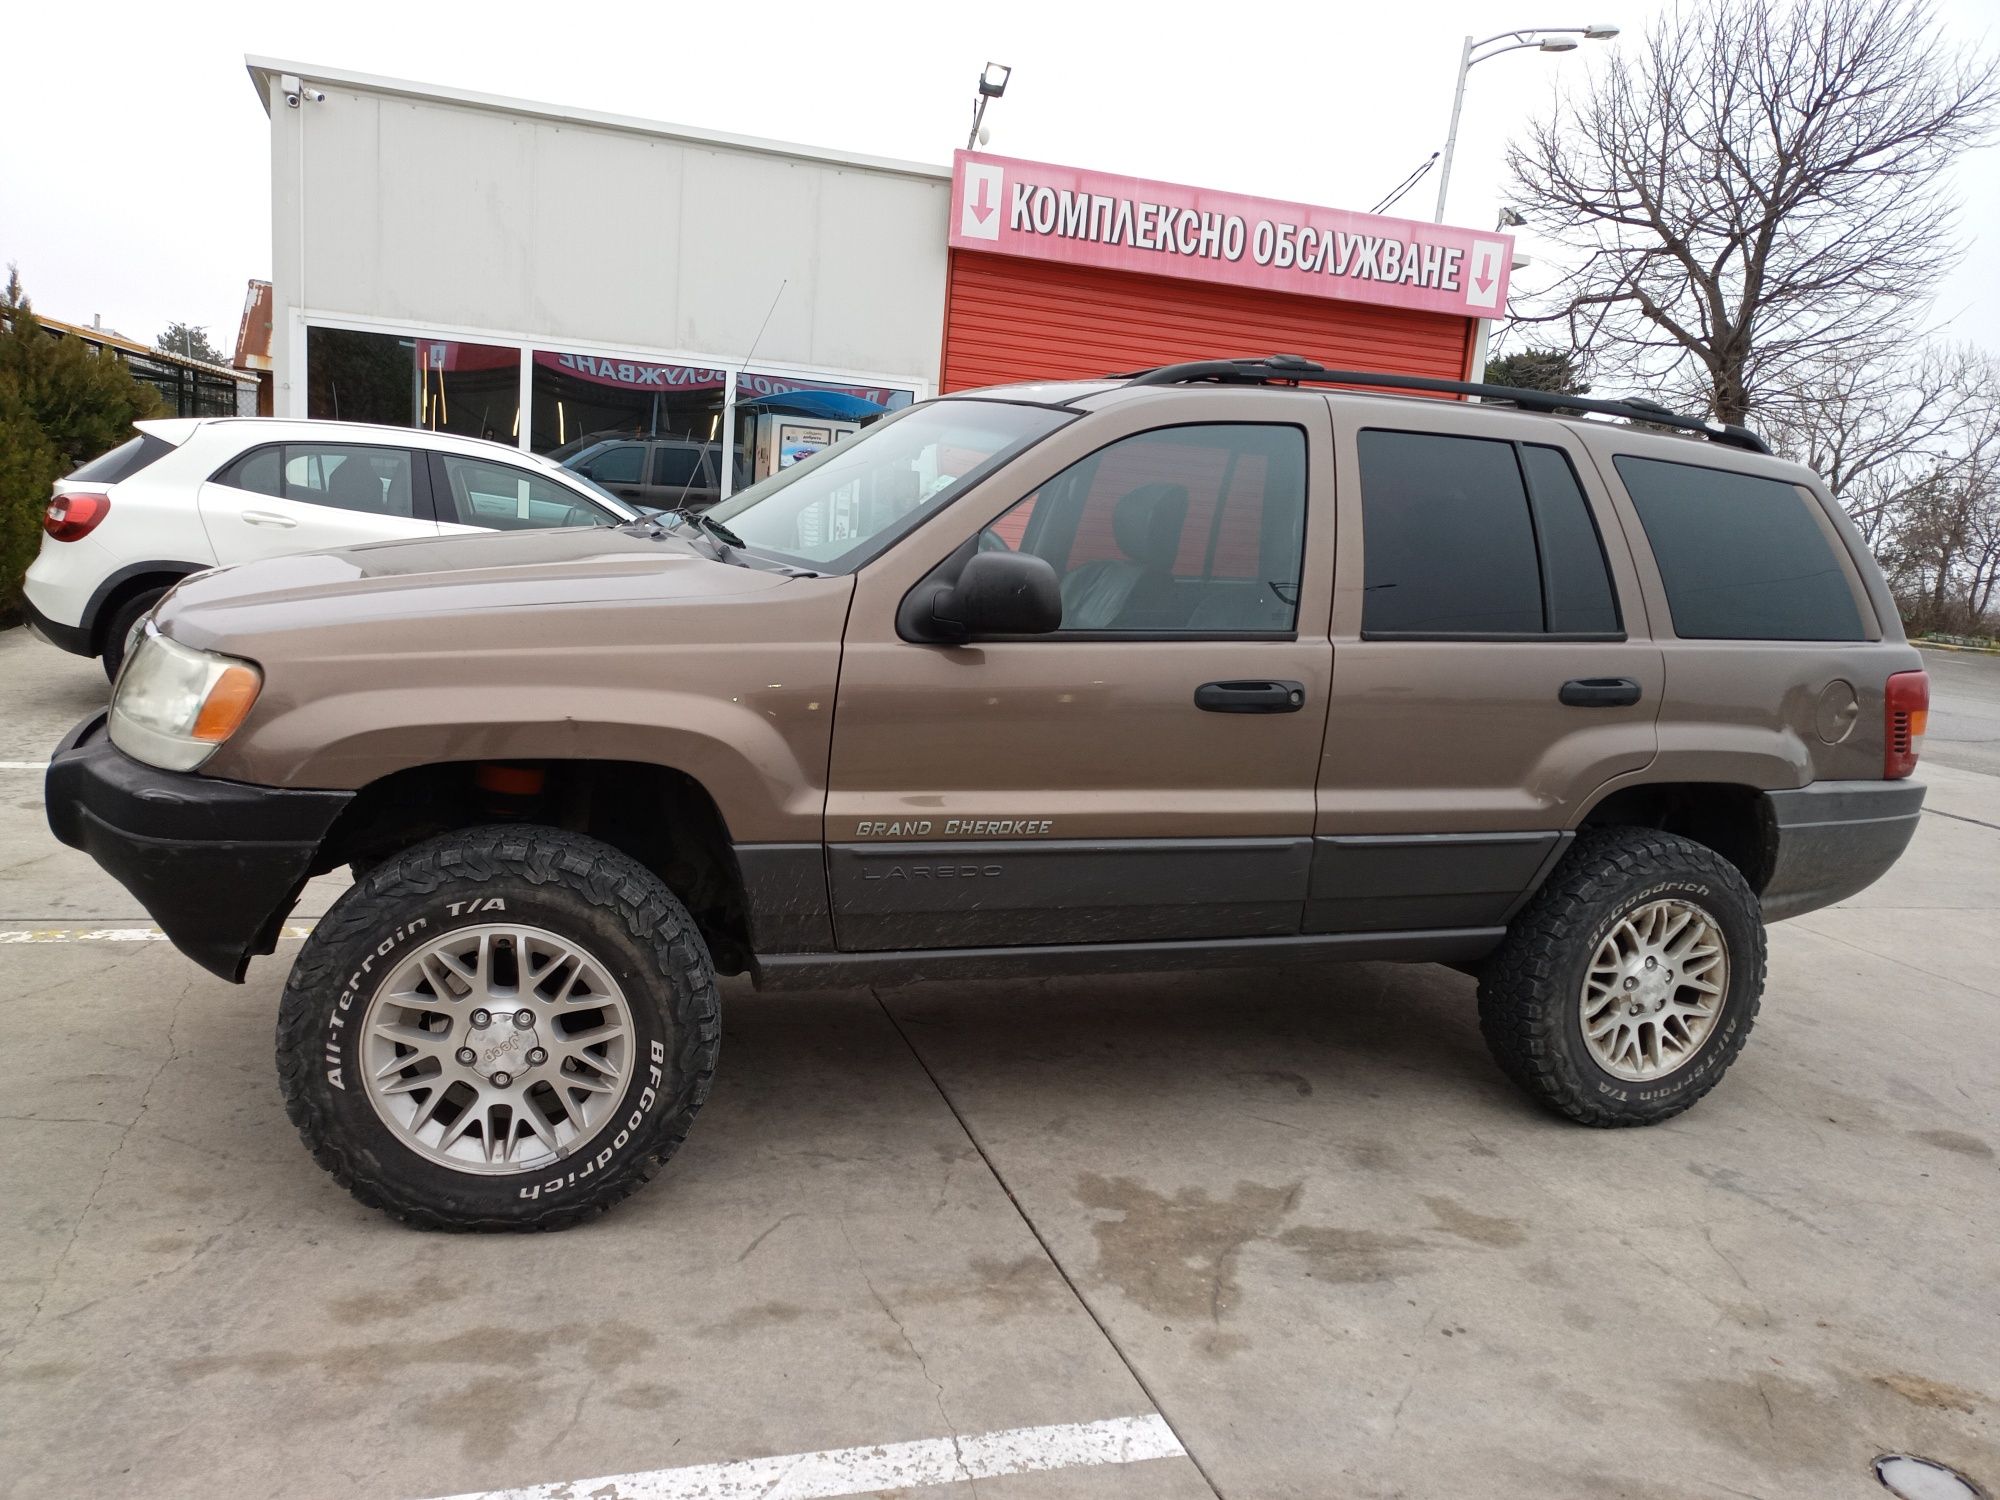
<point>545,276</point>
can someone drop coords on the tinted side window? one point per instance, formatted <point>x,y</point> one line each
<point>1578,583</point>
<point>1447,543</point>
<point>1186,529</point>
<point>504,498</point>
<point>674,465</point>
<point>1742,557</point>
<point>621,463</point>
<point>260,471</point>
<point>373,481</point>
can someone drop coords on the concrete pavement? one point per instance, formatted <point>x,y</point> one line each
<point>1965,710</point>
<point>1299,1216</point>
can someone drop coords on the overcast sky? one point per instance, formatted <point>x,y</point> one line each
<point>134,175</point>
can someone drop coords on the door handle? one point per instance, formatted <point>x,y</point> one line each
<point>267,518</point>
<point>1599,692</point>
<point>1251,697</point>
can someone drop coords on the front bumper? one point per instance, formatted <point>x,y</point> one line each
<point>218,864</point>
<point>1834,838</point>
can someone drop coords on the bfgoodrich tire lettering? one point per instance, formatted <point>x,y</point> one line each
<point>540,879</point>
<point>1533,988</point>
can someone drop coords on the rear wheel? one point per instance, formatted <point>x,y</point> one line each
<point>121,631</point>
<point>1630,981</point>
<point>503,1028</point>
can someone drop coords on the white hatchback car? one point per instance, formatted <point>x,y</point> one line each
<point>190,493</point>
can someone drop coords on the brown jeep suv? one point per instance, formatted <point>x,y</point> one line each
<point>1233,663</point>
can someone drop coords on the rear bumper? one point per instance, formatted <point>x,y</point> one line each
<point>72,638</point>
<point>218,864</point>
<point>58,590</point>
<point>1834,838</point>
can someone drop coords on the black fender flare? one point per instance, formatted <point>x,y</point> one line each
<point>115,583</point>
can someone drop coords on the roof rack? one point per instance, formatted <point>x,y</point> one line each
<point>1293,369</point>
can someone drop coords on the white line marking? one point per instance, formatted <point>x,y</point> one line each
<point>23,765</point>
<point>856,1471</point>
<point>119,934</point>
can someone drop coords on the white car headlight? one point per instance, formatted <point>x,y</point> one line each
<point>174,705</point>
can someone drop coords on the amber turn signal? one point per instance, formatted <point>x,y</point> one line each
<point>227,704</point>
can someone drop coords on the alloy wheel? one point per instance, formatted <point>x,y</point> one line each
<point>1654,990</point>
<point>497,1049</point>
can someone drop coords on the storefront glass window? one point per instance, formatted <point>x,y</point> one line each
<point>781,419</point>
<point>408,380</point>
<point>584,399</point>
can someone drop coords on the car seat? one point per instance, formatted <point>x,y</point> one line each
<point>1146,523</point>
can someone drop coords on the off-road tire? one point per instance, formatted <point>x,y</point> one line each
<point>561,881</point>
<point>1531,990</point>
<point>128,614</point>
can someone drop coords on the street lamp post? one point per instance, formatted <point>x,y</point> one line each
<point>1542,38</point>
<point>992,84</point>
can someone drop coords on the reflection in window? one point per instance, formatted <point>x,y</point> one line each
<point>405,380</point>
<point>845,502</point>
<point>585,399</point>
<point>504,498</point>
<point>782,419</point>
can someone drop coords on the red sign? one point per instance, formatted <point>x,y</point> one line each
<point>1011,207</point>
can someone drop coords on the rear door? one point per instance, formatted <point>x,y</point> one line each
<point>300,497</point>
<point>683,477</point>
<point>1493,666</point>
<point>1115,781</point>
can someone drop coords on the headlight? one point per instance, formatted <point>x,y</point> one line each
<point>175,705</point>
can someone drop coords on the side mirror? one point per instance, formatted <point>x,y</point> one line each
<point>998,593</point>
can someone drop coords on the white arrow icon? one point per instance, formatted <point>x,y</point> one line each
<point>979,215</point>
<point>1482,282</point>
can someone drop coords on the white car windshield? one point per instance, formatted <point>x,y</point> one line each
<point>845,503</point>
<point>623,510</point>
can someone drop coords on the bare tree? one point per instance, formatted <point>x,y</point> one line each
<point>1754,191</point>
<point>1937,525</point>
<point>1870,427</point>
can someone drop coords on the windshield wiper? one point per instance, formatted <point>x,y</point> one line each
<point>679,519</point>
<point>717,530</point>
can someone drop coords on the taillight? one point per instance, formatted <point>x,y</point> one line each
<point>1906,709</point>
<point>73,517</point>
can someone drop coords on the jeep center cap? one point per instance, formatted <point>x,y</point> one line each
<point>500,1048</point>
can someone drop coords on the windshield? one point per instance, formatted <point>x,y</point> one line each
<point>848,502</point>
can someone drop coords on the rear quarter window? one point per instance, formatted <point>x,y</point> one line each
<point>1742,557</point>
<point>122,462</point>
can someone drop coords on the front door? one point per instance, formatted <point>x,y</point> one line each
<point>1493,666</point>
<point>1146,772</point>
<point>619,468</point>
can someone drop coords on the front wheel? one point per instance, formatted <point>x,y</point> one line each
<point>121,631</point>
<point>1629,982</point>
<point>502,1028</point>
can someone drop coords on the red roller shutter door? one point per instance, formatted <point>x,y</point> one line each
<point>1008,318</point>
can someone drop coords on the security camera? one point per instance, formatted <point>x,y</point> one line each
<point>315,96</point>
<point>297,93</point>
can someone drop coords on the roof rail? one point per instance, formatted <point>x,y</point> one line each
<point>1293,369</point>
